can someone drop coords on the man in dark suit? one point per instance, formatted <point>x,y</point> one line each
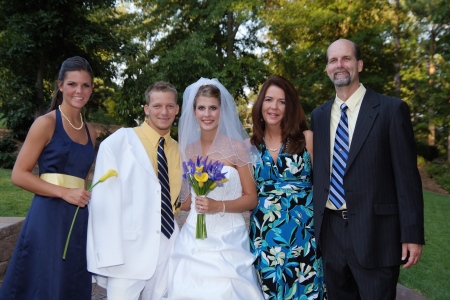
<point>368,202</point>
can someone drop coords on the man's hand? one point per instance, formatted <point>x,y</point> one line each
<point>414,250</point>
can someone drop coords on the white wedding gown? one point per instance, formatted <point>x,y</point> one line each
<point>221,265</point>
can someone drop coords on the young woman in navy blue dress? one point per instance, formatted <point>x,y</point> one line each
<point>63,146</point>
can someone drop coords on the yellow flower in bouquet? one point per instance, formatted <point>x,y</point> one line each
<point>108,174</point>
<point>203,176</point>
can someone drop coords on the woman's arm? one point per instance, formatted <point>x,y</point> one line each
<point>186,205</point>
<point>246,202</point>
<point>309,142</point>
<point>38,137</point>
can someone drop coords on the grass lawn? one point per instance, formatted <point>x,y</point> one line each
<point>429,278</point>
<point>14,201</point>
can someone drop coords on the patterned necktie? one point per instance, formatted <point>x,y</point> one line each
<point>167,218</point>
<point>340,156</point>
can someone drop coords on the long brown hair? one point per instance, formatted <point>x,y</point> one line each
<point>294,120</point>
<point>75,63</point>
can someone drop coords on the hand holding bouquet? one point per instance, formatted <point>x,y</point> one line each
<point>203,176</point>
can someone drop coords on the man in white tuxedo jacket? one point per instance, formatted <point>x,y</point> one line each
<point>126,249</point>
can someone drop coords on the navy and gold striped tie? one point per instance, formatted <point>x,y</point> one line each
<point>339,163</point>
<point>167,218</point>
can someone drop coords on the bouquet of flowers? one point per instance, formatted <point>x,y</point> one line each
<point>203,176</point>
<point>109,173</point>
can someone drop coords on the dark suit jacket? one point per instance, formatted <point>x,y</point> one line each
<point>382,183</point>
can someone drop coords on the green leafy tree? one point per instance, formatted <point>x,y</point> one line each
<point>300,32</point>
<point>181,41</point>
<point>432,18</point>
<point>35,37</point>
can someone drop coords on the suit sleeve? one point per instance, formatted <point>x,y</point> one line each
<point>407,177</point>
<point>105,208</point>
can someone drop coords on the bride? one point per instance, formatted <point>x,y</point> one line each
<point>221,265</point>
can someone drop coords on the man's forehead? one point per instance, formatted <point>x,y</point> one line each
<point>162,96</point>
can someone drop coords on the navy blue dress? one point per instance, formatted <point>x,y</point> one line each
<point>37,270</point>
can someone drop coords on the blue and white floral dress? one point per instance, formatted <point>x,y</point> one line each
<point>282,228</point>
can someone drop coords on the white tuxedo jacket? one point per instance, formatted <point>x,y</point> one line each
<point>124,225</point>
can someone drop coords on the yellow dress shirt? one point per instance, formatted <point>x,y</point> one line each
<point>354,104</point>
<point>149,139</point>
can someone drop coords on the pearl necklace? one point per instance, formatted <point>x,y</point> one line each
<point>276,149</point>
<point>76,128</point>
<point>273,150</point>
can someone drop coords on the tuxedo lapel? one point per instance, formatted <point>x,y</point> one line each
<point>139,153</point>
<point>366,118</point>
<point>322,133</point>
<point>326,132</point>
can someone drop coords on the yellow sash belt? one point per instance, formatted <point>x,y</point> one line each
<point>63,180</point>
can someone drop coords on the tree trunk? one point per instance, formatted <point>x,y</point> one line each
<point>397,77</point>
<point>39,87</point>
<point>448,149</point>
<point>431,71</point>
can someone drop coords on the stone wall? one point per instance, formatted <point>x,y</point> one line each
<point>9,232</point>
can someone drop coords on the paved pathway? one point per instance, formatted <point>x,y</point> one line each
<point>403,293</point>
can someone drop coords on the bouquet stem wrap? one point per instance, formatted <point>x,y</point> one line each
<point>200,229</point>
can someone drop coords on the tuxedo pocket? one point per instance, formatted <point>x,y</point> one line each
<point>386,209</point>
<point>379,139</point>
<point>129,234</point>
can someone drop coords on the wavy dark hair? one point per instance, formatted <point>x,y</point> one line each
<point>75,63</point>
<point>294,120</point>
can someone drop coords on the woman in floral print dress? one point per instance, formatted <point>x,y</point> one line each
<point>282,225</point>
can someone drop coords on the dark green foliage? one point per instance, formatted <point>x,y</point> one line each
<point>436,170</point>
<point>186,40</point>
<point>8,147</point>
<point>405,47</point>
<point>430,153</point>
<point>444,180</point>
<point>440,172</point>
<point>7,160</point>
<point>36,37</point>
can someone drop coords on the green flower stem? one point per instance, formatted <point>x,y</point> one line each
<point>73,222</point>
<point>90,189</point>
<point>200,230</point>
<point>70,232</point>
<point>108,174</point>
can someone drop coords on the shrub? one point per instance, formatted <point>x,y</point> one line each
<point>421,161</point>
<point>444,181</point>
<point>436,170</point>
<point>7,157</point>
<point>430,153</point>
<point>7,160</point>
<point>7,145</point>
<point>440,174</point>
